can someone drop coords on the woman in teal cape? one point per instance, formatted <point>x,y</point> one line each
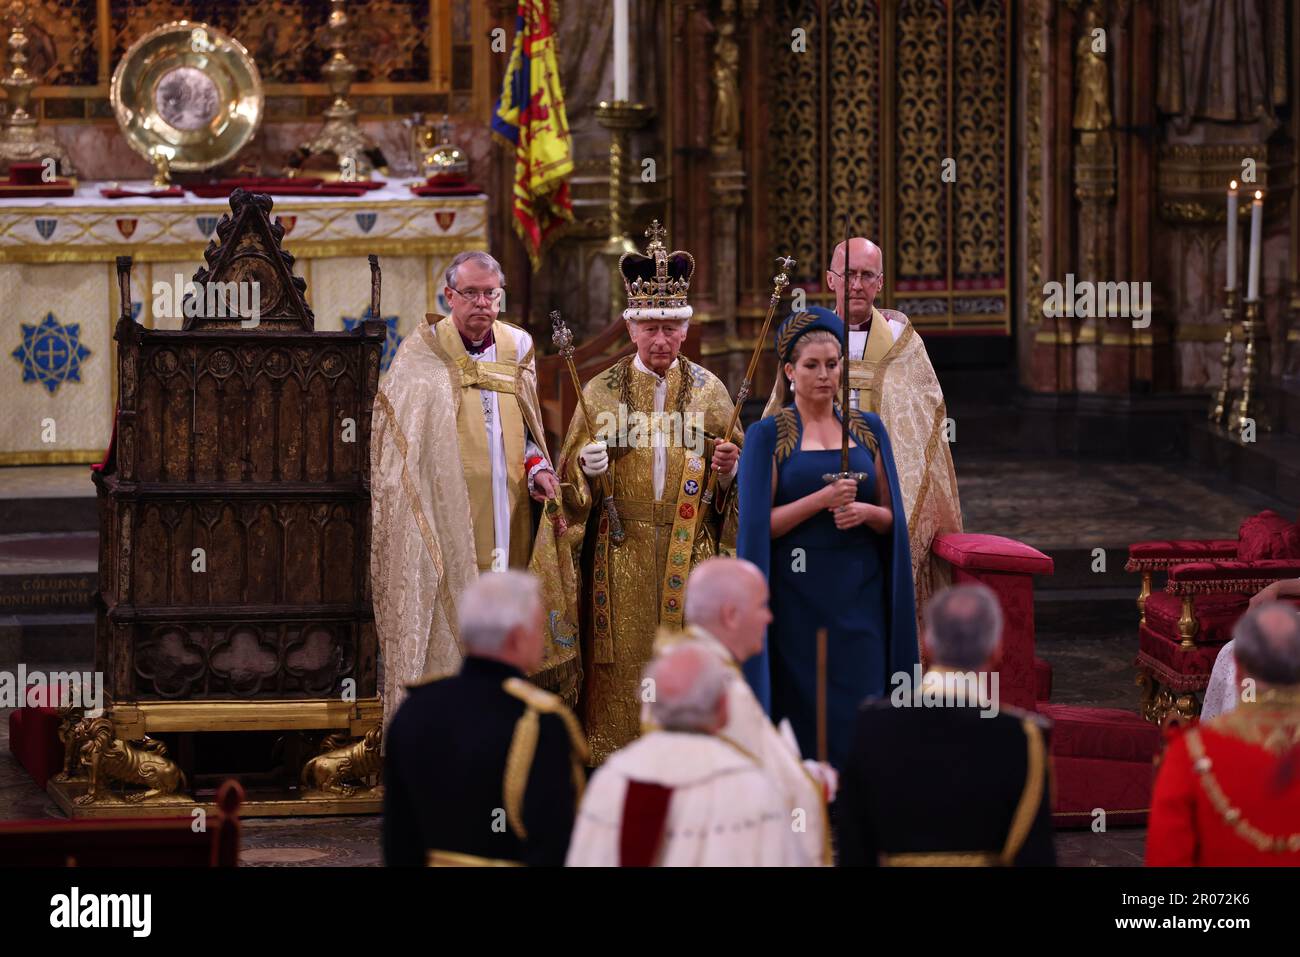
<point>837,557</point>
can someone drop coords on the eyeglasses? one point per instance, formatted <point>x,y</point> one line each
<point>864,276</point>
<point>479,295</point>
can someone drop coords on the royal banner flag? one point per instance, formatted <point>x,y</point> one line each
<point>530,118</point>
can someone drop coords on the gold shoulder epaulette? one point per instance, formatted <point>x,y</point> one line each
<point>523,747</point>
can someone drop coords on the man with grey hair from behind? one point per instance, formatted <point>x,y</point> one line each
<point>1228,790</point>
<point>680,795</point>
<point>937,778</point>
<point>483,767</point>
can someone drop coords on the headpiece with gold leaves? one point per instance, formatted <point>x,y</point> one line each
<point>658,282</point>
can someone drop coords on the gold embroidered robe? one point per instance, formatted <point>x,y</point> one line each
<point>615,596</point>
<point>895,380</point>
<point>432,490</point>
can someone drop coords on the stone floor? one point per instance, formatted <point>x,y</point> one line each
<point>1049,503</point>
<point>1055,503</point>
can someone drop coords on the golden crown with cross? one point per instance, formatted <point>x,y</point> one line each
<point>657,282</point>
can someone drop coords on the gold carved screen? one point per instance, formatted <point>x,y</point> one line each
<point>898,112</point>
<point>411,55</point>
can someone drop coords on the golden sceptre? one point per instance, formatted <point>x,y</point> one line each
<point>562,337</point>
<point>779,282</point>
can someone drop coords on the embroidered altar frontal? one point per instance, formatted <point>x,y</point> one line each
<point>57,273</point>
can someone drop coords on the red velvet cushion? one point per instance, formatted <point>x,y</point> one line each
<point>1084,732</point>
<point>1215,614</point>
<point>990,553</point>
<point>1179,668</point>
<point>1268,535</point>
<point>1249,573</point>
<point>34,741</point>
<point>1188,549</point>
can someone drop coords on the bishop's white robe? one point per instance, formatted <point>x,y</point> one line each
<point>451,441</point>
<point>749,729</point>
<point>724,810</point>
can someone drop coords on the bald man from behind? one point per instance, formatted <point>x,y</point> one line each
<point>727,616</point>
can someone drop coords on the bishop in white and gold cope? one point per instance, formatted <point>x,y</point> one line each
<point>457,451</point>
<point>660,424</point>
<point>890,374</point>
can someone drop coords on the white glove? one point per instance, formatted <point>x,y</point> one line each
<point>826,776</point>
<point>594,458</point>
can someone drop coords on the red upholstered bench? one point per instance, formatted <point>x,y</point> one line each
<point>1101,758</point>
<point>1007,567</point>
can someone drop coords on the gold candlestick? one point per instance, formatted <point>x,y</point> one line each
<point>1222,398</point>
<point>340,137</point>
<point>1249,329</point>
<point>620,118</point>
<point>22,140</point>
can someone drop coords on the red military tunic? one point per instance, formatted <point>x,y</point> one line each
<point>1228,791</point>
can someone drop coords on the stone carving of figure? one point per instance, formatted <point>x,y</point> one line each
<point>1092,79</point>
<point>1222,60</point>
<point>726,90</point>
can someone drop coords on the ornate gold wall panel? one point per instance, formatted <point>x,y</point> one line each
<point>921,144</point>
<point>410,54</point>
<point>853,129</point>
<point>798,201</point>
<point>888,91</point>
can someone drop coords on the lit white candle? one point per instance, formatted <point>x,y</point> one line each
<point>1232,235</point>
<point>620,50</point>
<point>1256,236</point>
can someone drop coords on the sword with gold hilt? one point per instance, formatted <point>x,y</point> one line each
<point>779,282</point>
<point>562,337</point>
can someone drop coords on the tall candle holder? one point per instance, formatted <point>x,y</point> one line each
<point>620,118</point>
<point>341,137</point>
<point>1222,404</point>
<point>1243,411</point>
<point>22,139</point>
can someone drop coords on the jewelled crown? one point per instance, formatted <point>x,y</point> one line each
<point>658,282</point>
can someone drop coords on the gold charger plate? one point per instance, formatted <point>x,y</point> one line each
<point>189,92</point>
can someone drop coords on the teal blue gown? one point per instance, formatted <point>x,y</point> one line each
<point>854,582</point>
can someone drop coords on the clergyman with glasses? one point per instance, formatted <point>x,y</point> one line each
<point>457,451</point>
<point>890,374</point>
